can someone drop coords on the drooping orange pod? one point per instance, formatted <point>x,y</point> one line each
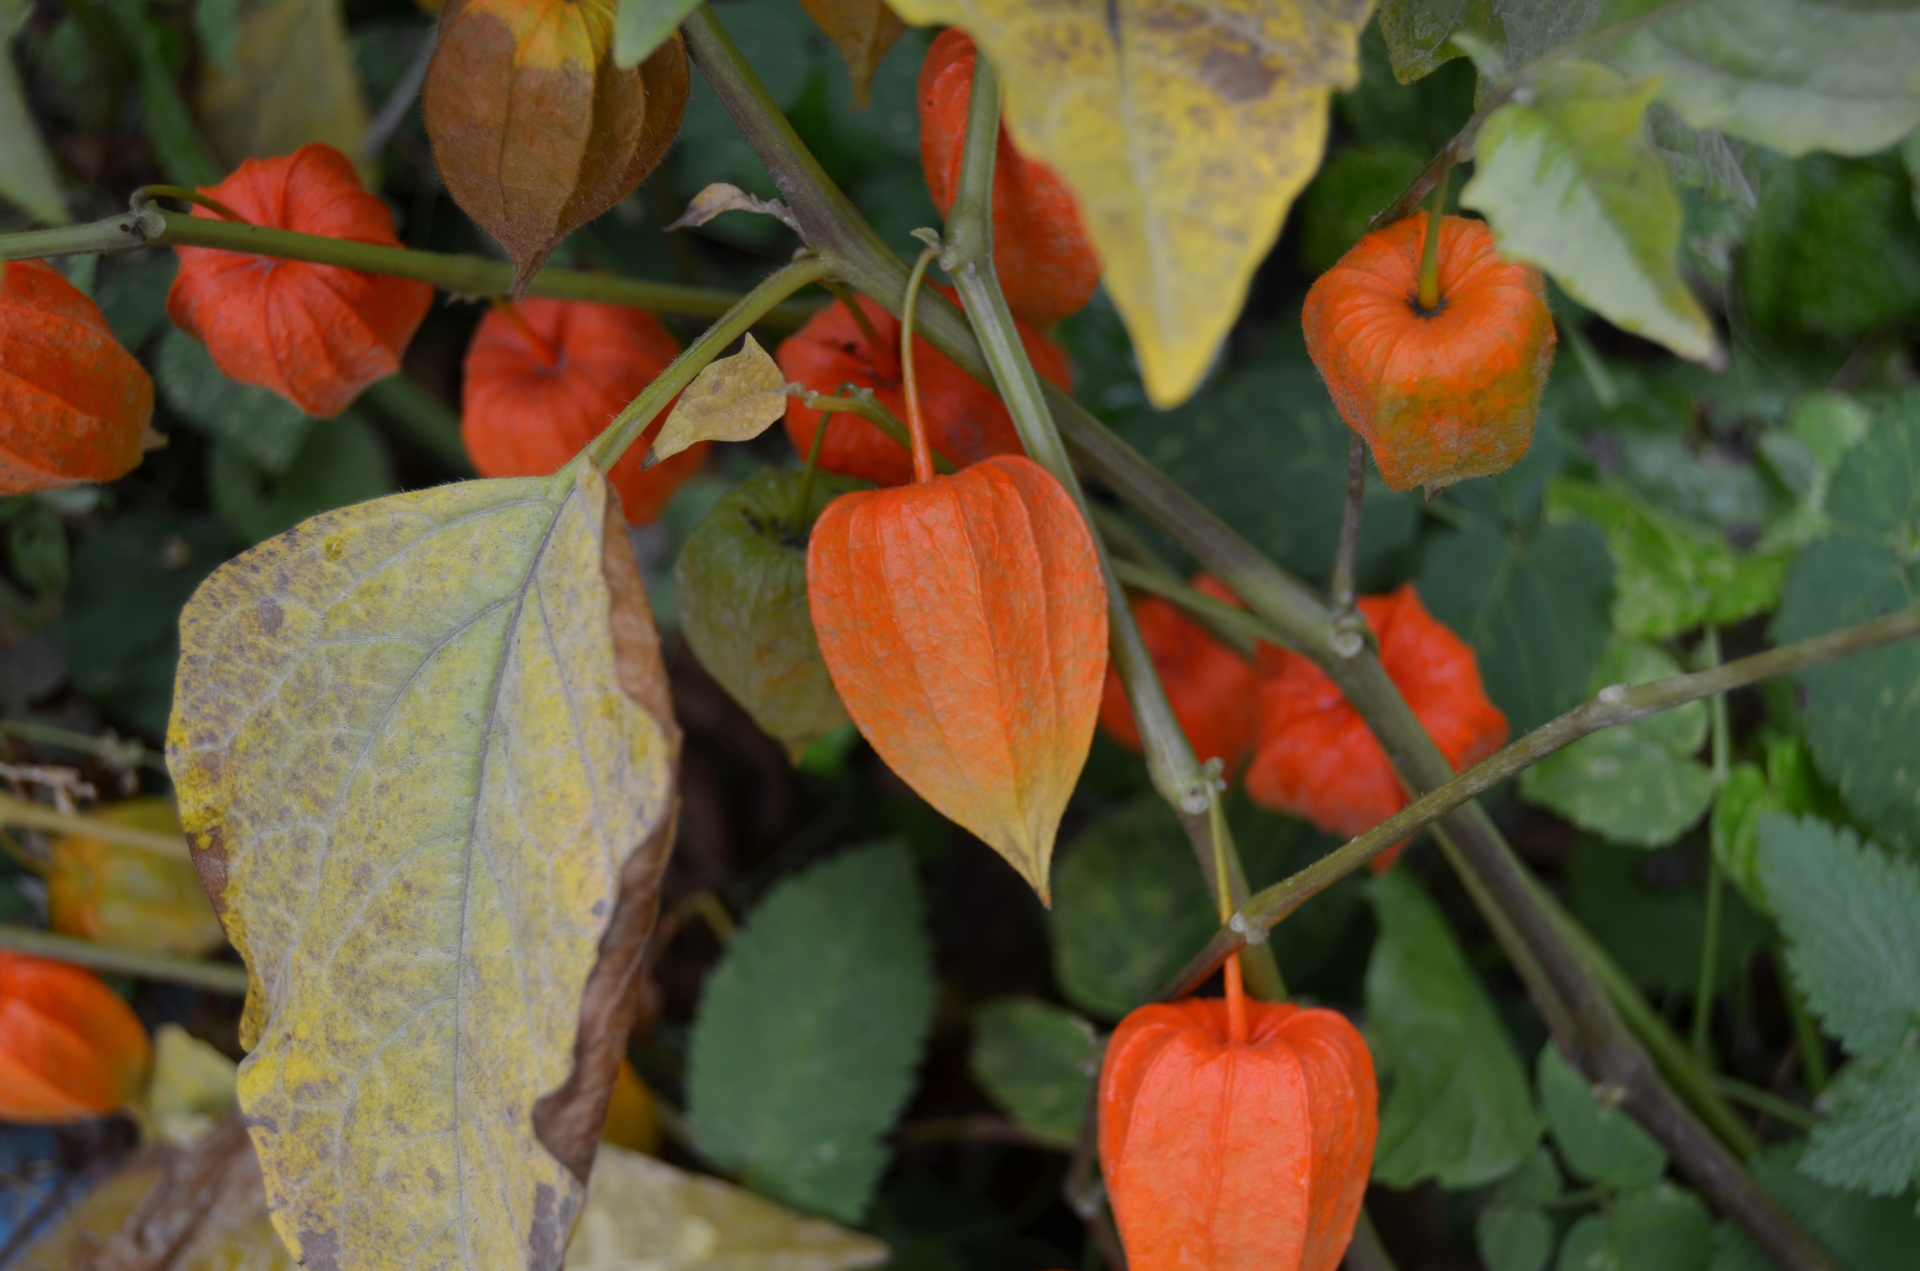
<point>74,405</point>
<point>545,377</point>
<point>964,622</point>
<point>315,334</point>
<point>534,129</point>
<point>1236,1148</point>
<point>69,1047</point>
<point>966,421</point>
<point>1314,757</point>
<point>1209,685</point>
<point>128,896</point>
<point>1439,395</point>
<point>1047,268</point>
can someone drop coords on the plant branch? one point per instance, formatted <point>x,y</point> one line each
<point>473,277</point>
<point>858,400</point>
<point>115,752</point>
<point>1346,555</point>
<point>1236,628</point>
<point>217,977</point>
<point>32,816</point>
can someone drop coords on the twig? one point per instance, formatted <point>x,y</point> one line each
<point>1347,553</point>
<point>216,977</point>
<point>32,816</point>
<point>114,751</point>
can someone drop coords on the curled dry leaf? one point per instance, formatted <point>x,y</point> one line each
<point>721,197</point>
<point>734,399</point>
<point>441,880</point>
<point>74,405</point>
<point>534,128</point>
<point>863,31</point>
<point>964,621</point>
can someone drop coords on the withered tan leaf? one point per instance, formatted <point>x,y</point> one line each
<point>735,399</point>
<point>863,31</point>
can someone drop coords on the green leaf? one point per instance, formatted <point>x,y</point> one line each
<point>1457,1108</point>
<point>1645,907</point>
<point>1571,183</point>
<point>1636,783</point>
<point>28,179</point>
<point>1419,32</point>
<point>216,24</point>
<point>1038,1062</point>
<point>641,26</point>
<point>1864,711</point>
<point>1353,185</point>
<point>259,424</point>
<point>804,1049</point>
<point>1792,75</point>
<point>293,81</point>
<point>342,461</point>
<point>1851,916</point>
<point>1734,831</point>
<point>1657,1229</point>
<point>1534,609</point>
<point>1859,1233</point>
<point>1834,249</point>
<point>1599,1144</point>
<point>133,295</point>
<point>1270,451</point>
<point>1129,909</point>
<point>1514,1237</point>
<point>1870,1140</point>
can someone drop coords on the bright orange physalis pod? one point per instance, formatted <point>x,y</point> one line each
<point>966,422</point>
<point>545,377</point>
<point>69,1047</point>
<point>74,405</point>
<point>1209,685</point>
<point>1314,757</point>
<point>1236,1135</point>
<point>315,334</point>
<point>1047,268</point>
<point>1441,393</point>
<point>964,622</point>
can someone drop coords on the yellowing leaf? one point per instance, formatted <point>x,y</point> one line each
<point>425,761</point>
<point>735,399</point>
<point>192,1086</point>
<point>644,1215</point>
<point>863,31</point>
<point>1185,132</point>
<point>292,82</point>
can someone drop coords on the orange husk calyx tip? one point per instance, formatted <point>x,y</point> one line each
<point>1439,394</point>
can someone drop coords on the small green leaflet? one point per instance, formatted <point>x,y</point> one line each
<point>641,26</point>
<point>807,1040</point>
<point>1599,1144</point>
<point>1038,1062</point>
<point>1658,1228</point>
<point>1456,1107</point>
<point>1870,1141</point>
<point>1514,1233</point>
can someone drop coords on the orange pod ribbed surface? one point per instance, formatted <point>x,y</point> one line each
<point>69,1047</point>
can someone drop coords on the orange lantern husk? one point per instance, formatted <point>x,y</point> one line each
<point>315,334</point>
<point>1209,685</point>
<point>543,378</point>
<point>1443,395</point>
<point>1236,1135</point>
<point>69,1047</point>
<point>74,405</point>
<point>1040,250</point>
<point>1314,757</point>
<point>965,421</point>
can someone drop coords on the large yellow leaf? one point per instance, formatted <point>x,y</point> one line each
<point>1185,129</point>
<point>425,760</point>
<point>292,81</point>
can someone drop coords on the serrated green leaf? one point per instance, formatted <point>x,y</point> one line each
<point>1038,1062</point>
<point>1128,909</point>
<point>1792,75</point>
<point>1571,183</point>
<point>1514,1237</point>
<point>1851,916</point>
<point>1599,1144</point>
<point>1657,1229</point>
<point>809,1033</point>
<point>641,26</point>
<point>257,423</point>
<point>1870,1139</point>
<point>1636,784</point>
<point>1859,1233</point>
<point>1534,608</point>
<point>1734,831</point>
<point>1456,1107</point>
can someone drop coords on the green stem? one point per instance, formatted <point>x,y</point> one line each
<point>803,497</point>
<point>1766,1101</point>
<point>909,376</point>
<point>1430,250</point>
<point>183,152</point>
<point>32,816</point>
<point>1233,627</point>
<point>470,276</point>
<point>859,400</point>
<point>749,309</point>
<point>1806,1034</point>
<point>1710,931</point>
<point>144,196</point>
<point>114,751</point>
<point>217,977</point>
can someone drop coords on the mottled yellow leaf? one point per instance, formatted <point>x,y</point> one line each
<point>1185,130</point>
<point>734,399</point>
<point>425,763</point>
<point>645,1215</point>
<point>292,82</point>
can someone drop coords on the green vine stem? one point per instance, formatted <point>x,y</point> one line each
<point>217,977</point>
<point>1722,735</point>
<point>33,816</point>
<point>116,752</point>
<point>856,400</point>
<point>474,277</point>
<point>1193,793</point>
<point>803,494</point>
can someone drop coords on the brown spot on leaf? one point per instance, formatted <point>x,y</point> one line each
<point>270,616</point>
<point>208,850</point>
<point>1239,74</point>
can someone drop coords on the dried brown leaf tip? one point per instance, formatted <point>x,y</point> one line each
<point>534,128</point>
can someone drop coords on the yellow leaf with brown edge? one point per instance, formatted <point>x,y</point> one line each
<point>535,130</point>
<point>425,757</point>
<point>292,81</point>
<point>1185,131</point>
<point>863,31</point>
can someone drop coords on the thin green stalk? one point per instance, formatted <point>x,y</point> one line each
<point>115,751</point>
<point>1430,250</point>
<point>1767,1102</point>
<point>803,497</point>
<point>1236,628</point>
<point>749,309</point>
<point>1806,1034</point>
<point>183,152</point>
<point>861,401</point>
<point>33,816</point>
<point>471,276</point>
<point>1710,927</point>
<point>217,977</point>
